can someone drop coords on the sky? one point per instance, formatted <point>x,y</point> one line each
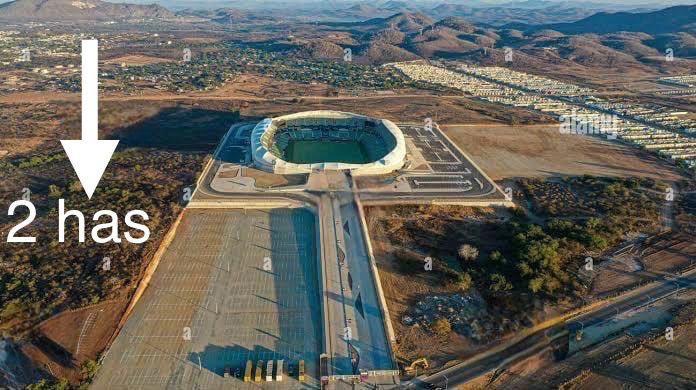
<point>324,4</point>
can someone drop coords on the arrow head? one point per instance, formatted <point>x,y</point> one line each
<point>89,159</point>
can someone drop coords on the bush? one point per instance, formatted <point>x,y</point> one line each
<point>43,384</point>
<point>88,369</point>
<point>441,326</point>
<point>468,252</point>
<point>499,283</point>
<point>464,281</point>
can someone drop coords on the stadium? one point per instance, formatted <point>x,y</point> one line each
<point>327,140</point>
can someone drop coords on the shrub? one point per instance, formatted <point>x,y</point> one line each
<point>468,252</point>
<point>441,326</point>
<point>464,281</point>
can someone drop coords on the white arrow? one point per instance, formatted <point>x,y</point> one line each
<point>89,156</point>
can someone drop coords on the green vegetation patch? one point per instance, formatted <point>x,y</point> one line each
<point>522,260</point>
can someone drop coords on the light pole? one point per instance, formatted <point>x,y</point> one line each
<point>446,381</point>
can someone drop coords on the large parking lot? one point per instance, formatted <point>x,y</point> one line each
<point>439,166</point>
<point>435,169</point>
<point>243,286</point>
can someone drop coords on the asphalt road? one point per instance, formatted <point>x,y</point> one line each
<point>635,299</point>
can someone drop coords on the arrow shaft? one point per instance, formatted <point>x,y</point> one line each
<point>90,90</point>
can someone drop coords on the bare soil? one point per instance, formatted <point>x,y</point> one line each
<point>269,180</point>
<point>54,348</point>
<point>403,289</point>
<point>542,151</point>
<point>137,60</point>
<point>622,361</point>
<point>670,253</point>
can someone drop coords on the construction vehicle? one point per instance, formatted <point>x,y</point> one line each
<point>413,367</point>
<point>247,371</point>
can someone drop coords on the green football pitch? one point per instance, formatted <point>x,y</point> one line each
<point>316,151</point>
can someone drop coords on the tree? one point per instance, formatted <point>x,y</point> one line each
<point>468,252</point>
<point>499,283</point>
<point>496,257</point>
<point>43,384</point>
<point>464,281</point>
<point>524,268</point>
<point>441,326</point>
<point>75,186</point>
<point>54,191</point>
<point>88,369</point>
<point>536,284</point>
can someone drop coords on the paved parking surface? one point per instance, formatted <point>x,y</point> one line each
<point>243,285</point>
<point>446,169</point>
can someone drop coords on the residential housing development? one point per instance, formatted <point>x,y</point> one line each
<point>663,130</point>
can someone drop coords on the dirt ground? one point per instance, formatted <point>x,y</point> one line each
<point>267,180</point>
<point>664,253</point>
<point>659,363</point>
<point>402,289</point>
<point>670,253</point>
<point>136,60</point>
<point>626,360</point>
<point>55,345</point>
<point>262,96</point>
<point>542,151</point>
<point>11,146</point>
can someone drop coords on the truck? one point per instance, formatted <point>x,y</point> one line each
<point>279,370</point>
<point>247,371</point>
<point>269,371</point>
<point>257,373</point>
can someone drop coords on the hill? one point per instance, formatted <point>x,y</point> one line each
<point>70,10</point>
<point>499,15</point>
<point>668,20</point>
<point>404,21</point>
<point>409,35</point>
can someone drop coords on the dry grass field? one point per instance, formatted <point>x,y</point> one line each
<point>541,151</point>
<point>412,108</point>
<point>136,60</point>
<point>402,289</point>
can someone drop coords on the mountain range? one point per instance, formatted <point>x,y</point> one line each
<point>628,43</point>
<point>620,39</point>
<point>66,10</point>
<point>672,19</point>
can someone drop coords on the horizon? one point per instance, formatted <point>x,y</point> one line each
<point>617,6</point>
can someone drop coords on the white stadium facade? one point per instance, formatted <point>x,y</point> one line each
<point>313,141</point>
